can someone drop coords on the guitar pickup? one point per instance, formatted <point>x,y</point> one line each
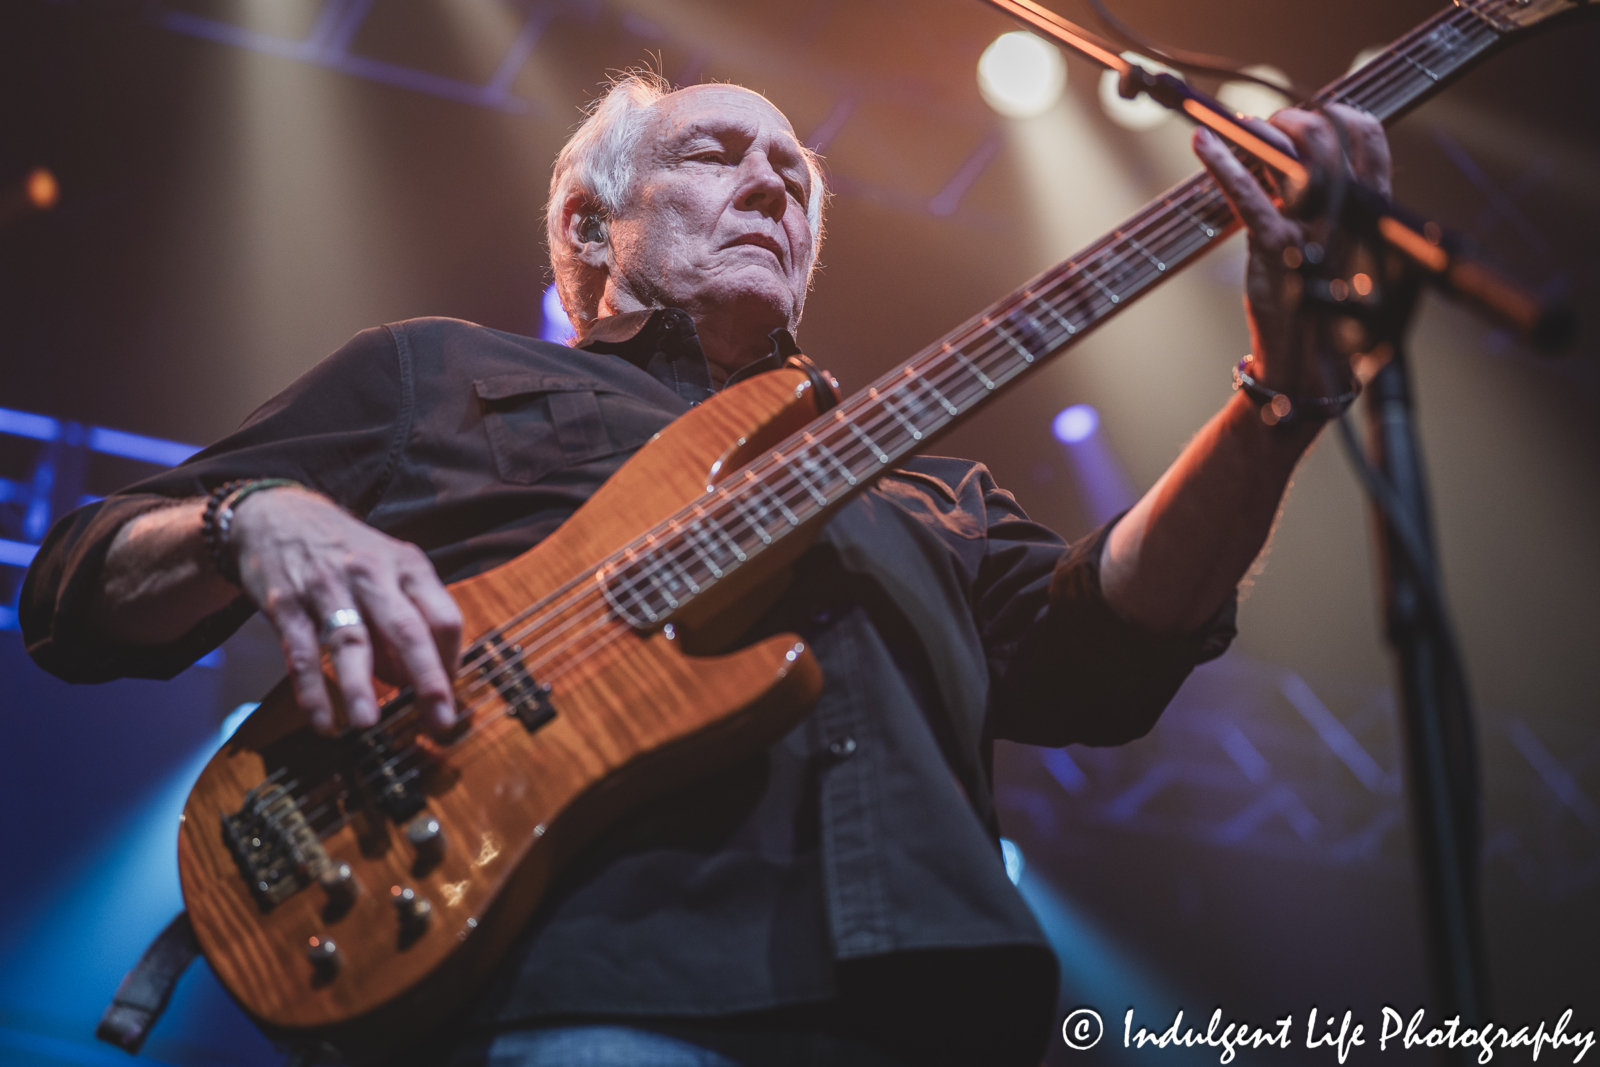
<point>526,700</point>
<point>394,779</point>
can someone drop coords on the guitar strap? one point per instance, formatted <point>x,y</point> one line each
<point>144,992</point>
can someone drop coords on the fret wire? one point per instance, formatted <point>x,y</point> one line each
<point>1375,82</point>
<point>697,542</point>
<point>940,397</point>
<point>833,457</point>
<point>1379,81</point>
<point>727,538</point>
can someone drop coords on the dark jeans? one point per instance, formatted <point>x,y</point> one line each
<point>681,1046</point>
<point>929,1009</point>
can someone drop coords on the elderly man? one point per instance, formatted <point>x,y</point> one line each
<point>839,897</point>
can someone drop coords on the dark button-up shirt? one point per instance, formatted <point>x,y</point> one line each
<point>941,615</point>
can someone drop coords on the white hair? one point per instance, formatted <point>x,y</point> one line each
<point>596,166</point>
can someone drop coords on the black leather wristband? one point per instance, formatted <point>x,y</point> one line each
<point>218,519</point>
<point>1280,409</point>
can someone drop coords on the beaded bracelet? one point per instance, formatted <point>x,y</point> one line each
<point>218,519</point>
<point>1279,409</point>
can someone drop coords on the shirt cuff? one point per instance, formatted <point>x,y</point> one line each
<point>1085,675</point>
<point>1075,590</point>
<point>62,583</point>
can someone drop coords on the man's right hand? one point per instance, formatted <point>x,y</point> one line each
<point>302,558</point>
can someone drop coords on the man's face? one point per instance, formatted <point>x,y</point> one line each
<point>716,222</point>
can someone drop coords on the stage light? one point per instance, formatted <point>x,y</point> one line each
<point>1020,75</point>
<point>554,325</point>
<point>1140,113</point>
<point>1011,855</point>
<point>1103,486</point>
<point>1075,424</point>
<point>1089,956</point>
<point>1252,98</point>
<point>43,192</point>
<point>236,718</point>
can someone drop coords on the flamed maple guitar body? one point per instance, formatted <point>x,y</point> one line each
<point>633,714</point>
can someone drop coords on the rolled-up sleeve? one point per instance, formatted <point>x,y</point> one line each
<point>338,429</point>
<point>1064,667</point>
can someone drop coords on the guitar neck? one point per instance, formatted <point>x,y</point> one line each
<point>798,485</point>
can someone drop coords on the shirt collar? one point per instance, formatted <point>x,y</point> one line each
<point>663,343</point>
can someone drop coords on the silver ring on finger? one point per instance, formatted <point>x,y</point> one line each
<point>342,619</point>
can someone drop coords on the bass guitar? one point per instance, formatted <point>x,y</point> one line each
<point>350,892</point>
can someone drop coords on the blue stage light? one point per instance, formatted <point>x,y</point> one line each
<point>1077,423</point>
<point>1103,485</point>
<point>138,446</point>
<point>236,719</point>
<point>1011,855</point>
<point>27,424</point>
<point>1098,971</point>
<point>555,327</point>
<point>17,553</point>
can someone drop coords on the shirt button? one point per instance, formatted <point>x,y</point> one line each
<point>842,748</point>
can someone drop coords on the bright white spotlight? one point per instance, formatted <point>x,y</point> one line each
<point>1140,113</point>
<point>1252,98</point>
<point>1075,424</point>
<point>1020,75</point>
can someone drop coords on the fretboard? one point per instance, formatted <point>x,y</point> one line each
<point>807,477</point>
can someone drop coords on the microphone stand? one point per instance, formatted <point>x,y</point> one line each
<point>1441,759</point>
<point>1441,755</point>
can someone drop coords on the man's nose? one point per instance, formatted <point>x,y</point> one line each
<point>761,187</point>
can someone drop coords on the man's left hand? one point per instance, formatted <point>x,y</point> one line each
<point>1273,289</point>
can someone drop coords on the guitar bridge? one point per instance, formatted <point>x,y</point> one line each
<point>276,849</point>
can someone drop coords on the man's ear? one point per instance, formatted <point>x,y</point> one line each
<point>588,235</point>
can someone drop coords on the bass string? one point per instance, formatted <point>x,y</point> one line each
<point>1388,82</point>
<point>1394,72</point>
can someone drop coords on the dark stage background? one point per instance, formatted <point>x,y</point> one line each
<point>243,185</point>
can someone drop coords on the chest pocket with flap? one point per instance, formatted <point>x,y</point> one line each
<point>538,424</point>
